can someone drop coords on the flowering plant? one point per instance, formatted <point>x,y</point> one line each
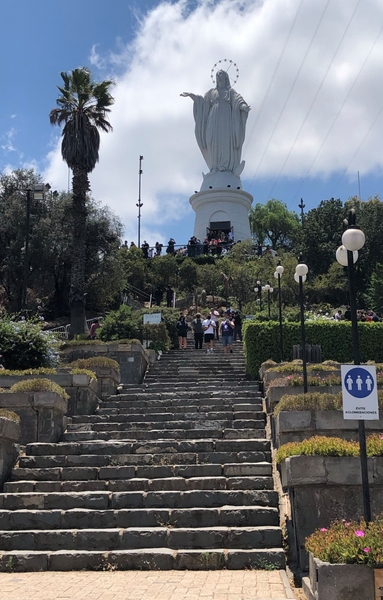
<point>349,542</point>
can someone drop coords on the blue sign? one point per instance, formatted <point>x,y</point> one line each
<point>358,382</point>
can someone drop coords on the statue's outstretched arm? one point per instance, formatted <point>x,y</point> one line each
<point>186,94</point>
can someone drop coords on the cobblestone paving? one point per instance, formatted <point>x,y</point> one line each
<point>146,585</point>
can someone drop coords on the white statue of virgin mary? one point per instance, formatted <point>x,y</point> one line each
<point>220,122</point>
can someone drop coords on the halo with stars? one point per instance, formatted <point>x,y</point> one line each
<point>226,65</point>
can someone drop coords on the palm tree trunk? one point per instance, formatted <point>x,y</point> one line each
<point>77,282</point>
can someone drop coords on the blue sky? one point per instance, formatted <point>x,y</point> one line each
<point>310,69</point>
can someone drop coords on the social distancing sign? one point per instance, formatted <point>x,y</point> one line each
<point>359,392</point>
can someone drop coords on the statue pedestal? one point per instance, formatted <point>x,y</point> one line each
<point>222,209</point>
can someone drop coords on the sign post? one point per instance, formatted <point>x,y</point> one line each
<point>360,402</point>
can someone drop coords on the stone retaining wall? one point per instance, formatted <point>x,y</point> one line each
<point>322,489</point>
<point>42,414</point>
<point>9,436</point>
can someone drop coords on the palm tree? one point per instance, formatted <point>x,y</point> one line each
<point>82,108</point>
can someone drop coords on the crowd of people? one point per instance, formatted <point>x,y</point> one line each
<point>226,326</point>
<point>364,316</point>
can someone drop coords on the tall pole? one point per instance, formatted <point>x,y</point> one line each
<point>139,204</point>
<point>301,206</point>
<point>26,256</point>
<point>280,317</point>
<point>356,353</point>
<point>303,335</point>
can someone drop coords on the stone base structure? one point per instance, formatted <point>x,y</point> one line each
<point>222,209</point>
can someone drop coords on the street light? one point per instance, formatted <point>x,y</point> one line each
<point>267,288</point>
<point>37,192</point>
<point>301,271</point>
<point>353,239</point>
<point>278,274</point>
<point>139,204</point>
<point>258,289</point>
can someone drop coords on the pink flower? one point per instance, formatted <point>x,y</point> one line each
<point>366,549</point>
<point>288,376</point>
<point>323,529</point>
<point>359,533</point>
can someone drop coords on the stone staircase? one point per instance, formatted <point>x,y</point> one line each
<point>174,473</point>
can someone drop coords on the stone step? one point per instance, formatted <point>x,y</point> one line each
<point>114,447</point>
<point>245,516</point>
<point>142,559</point>
<point>85,432</point>
<point>202,423</point>
<point>102,500</point>
<point>144,484</point>
<point>127,538</point>
<point>126,426</point>
<point>183,402</point>
<point>151,471</point>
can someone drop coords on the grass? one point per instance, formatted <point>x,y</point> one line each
<point>39,385</point>
<point>330,446</point>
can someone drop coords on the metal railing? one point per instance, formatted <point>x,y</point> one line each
<point>63,331</point>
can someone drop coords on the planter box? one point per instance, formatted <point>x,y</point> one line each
<point>82,390</point>
<point>341,582</point>
<point>42,415</point>
<point>9,436</point>
<point>322,489</point>
<point>132,358</point>
<point>275,393</point>
<point>298,425</point>
<point>271,375</point>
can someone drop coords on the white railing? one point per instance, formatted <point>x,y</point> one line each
<point>64,330</point>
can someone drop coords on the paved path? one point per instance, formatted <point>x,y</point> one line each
<point>146,585</point>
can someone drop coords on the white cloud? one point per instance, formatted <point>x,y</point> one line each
<point>310,70</point>
<point>7,139</point>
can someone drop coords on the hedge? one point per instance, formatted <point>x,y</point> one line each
<point>261,341</point>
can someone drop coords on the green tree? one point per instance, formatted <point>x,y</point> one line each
<point>273,223</point>
<point>322,234</point>
<point>82,108</point>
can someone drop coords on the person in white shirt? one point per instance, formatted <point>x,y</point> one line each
<point>209,327</point>
<point>214,316</point>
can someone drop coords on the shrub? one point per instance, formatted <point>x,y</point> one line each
<point>297,380</point>
<point>319,445</point>
<point>312,401</point>
<point>330,446</point>
<point>353,542</point>
<point>261,341</point>
<point>24,345</point>
<point>39,385</point>
<point>298,368</point>
<point>88,372</point>
<point>94,362</point>
<point>158,334</point>
<point>119,324</point>
<point>315,401</point>
<point>9,414</point>
<point>40,371</point>
<point>71,343</point>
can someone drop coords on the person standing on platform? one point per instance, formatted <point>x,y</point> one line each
<point>169,296</point>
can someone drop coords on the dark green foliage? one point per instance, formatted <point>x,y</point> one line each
<point>262,341</point>
<point>158,336</point>
<point>119,324</point>
<point>24,346</point>
<point>272,223</point>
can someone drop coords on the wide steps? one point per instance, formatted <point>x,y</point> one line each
<point>173,473</point>
<point>201,482</point>
<point>103,500</point>
<point>147,559</point>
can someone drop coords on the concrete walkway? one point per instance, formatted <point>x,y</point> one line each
<point>146,585</point>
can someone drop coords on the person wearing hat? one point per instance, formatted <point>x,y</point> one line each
<point>214,316</point>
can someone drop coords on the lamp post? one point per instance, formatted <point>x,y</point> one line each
<point>37,192</point>
<point>353,240</point>
<point>278,274</point>
<point>267,288</point>
<point>258,289</point>
<point>139,203</point>
<point>301,271</point>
